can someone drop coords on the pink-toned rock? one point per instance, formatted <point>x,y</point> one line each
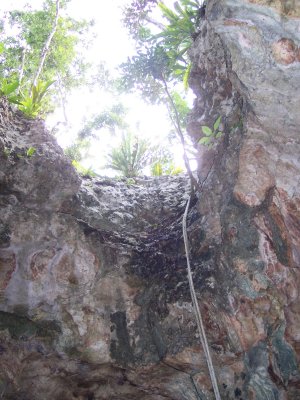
<point>285,51</point>
<point>255,178</point>
<point>248,324</point>
<point>7,267</point>
<point>286,213</point>
<point>39,263</point>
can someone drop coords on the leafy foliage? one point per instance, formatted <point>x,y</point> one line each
<point>131,156</point>
<point>162,54</point>
<point>88,172</point>
<point>30,151</point>
<point>211,134</point>
<point>21,55</point>
<point>165,167</point>
<point>177,37</point>
<point>34,28</point>
<point>111,118</point>
<point>33,105</point>
<point>137,74</point>
<point>136,14</point>
<point>8,88</point>
<point>133,153</point>
<point>78,150</point>
<point>162,60</point>
<point>182,109</point>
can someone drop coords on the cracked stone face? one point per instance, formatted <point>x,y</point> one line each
<point>94,297</point>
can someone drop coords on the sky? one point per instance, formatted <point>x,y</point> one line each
<point>111,44</point>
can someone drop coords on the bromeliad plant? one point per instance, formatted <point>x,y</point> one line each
<point>177,36</point>
<point>174,36</point>
<point>131,156</point>
<point>211,134</point>
<point>33,104</point>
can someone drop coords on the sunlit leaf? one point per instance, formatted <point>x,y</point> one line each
<point>8,88</point>
<point>217,123</point>
<point>31,151</point>
<point>186,77</point>
<point>207,131</point>
<point>205,140</point>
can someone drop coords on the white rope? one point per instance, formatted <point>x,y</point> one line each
<point>196,307</point>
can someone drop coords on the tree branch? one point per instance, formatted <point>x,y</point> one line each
<point>21,74</point>
<point>46,47</point>
<point>194,183</point>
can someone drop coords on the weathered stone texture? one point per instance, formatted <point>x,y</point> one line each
<point>94,299</point>
<point>251,192</point>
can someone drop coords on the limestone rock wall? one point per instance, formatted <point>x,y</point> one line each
<point>84,270</point>
<point>246,69</point>
<point>94,299</point>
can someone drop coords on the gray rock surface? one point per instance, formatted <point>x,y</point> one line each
<point>246,69</point>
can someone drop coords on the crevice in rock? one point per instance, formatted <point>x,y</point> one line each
<point>191,376</point>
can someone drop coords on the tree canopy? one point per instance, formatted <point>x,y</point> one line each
<point>161,61</point>
<point>40,64</point>
<point>41,46</point>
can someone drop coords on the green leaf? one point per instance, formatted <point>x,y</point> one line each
<point>193,4</point>
<point>207,131</point>
<point>205,140</point>
<point>178,8</point>
<point>217,123</point>
<point>168,13</point>
<point>35,92</point>
<point>8,88</point>
<point>219,134</point>
<point>47,84</point>
<point>14,100</point>
<point>1,48</point>
<point>30,152</point>
<point>186,77</point>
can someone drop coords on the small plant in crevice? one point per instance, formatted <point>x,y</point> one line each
<point>30,151</point>
<point>211,134</point>
<point>130,181</point>
<point>20,153</point>
<point>6,152</point>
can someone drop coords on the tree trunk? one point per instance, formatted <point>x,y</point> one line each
<point>21,74</point>
<point>46,47</point>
